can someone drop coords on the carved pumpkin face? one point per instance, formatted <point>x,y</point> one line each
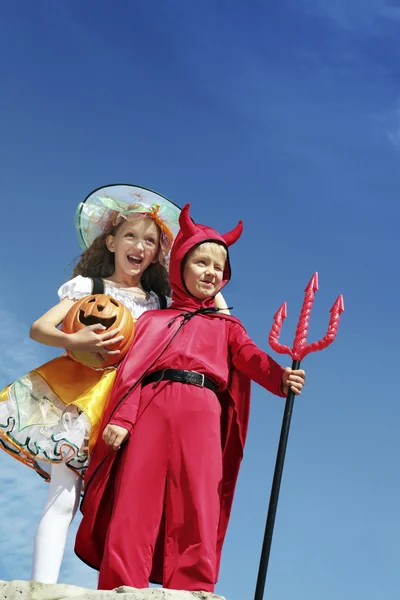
<point>100,308</point>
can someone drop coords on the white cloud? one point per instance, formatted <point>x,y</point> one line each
<point>19,353</point>
<point>394,129</point>
<point>355,15</point>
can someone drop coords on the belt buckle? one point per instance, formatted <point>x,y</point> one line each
<point>203,378</point>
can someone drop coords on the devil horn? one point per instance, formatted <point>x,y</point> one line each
<point>232,236</point>
<point>187,226</point>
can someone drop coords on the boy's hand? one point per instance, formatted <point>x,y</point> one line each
<point>294,380</point>
<point>114,435</point>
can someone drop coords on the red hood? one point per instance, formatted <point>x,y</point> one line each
<point>189,236</point>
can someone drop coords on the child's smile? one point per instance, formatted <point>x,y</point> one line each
<point>135,260</point>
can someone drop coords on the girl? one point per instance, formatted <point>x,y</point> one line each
<point>50,418</point>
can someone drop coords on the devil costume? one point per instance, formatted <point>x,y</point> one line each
<point>158,509</point>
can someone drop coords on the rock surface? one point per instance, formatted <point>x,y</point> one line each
<point>32,590</point>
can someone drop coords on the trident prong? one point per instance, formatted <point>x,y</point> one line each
<point>336,311</point>
<point>273,338</point>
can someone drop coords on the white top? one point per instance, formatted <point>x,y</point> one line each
<point>79,286</point>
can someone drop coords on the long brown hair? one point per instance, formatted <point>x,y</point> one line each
<point>98,261</point>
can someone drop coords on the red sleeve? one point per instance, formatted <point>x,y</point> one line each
<point>122,420</point>
<point>250,360</point>
<point>125,413</point>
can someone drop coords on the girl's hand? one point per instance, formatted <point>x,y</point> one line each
<point>89,341</point>
<point>295,380</point>
<point>114,435</point>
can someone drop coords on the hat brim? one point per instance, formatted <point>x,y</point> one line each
<point>91,217</point>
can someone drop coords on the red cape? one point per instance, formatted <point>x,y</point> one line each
<point>235,401</point>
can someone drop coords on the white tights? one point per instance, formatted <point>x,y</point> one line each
<point>60,508</point>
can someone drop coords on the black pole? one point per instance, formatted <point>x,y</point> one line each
<point>276,484</point>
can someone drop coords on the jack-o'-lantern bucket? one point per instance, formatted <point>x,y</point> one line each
<point>109,312</point>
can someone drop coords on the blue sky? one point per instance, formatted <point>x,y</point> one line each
<point>286,115</point>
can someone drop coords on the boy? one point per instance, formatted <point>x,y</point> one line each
<point>158,509</point>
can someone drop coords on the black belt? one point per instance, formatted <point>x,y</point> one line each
<point>191,377</point>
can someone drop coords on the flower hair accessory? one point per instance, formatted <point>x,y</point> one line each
<point>106,206</point>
